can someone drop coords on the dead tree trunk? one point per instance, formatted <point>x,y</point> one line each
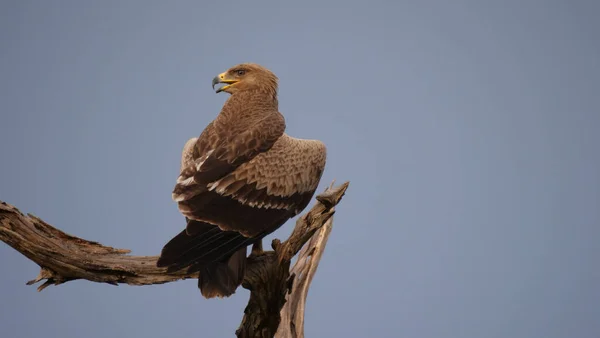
<point>277,294</point>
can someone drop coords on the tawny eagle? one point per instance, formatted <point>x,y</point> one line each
<point>239,181</point>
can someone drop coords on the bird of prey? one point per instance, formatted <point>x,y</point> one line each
<point>239,181</point>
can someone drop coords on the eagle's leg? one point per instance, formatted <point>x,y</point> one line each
<point>257,248</point>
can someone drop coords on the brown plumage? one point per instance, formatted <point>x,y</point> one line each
<point>239,181</point>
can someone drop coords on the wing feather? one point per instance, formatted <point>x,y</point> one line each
<point>260,195</point>
<point>219,151</point>
<point>290,168</point>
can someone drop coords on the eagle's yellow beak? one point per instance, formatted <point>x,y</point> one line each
<point>222,78</point>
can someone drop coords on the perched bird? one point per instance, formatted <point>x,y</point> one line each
<point>239,181</point>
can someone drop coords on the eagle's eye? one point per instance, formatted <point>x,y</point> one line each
<point>240,72</point>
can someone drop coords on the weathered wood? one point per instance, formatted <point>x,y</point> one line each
<point>270,287</point>
<point>292,314</point>
<point>63,257</point>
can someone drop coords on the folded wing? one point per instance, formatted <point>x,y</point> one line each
<point>220,150</point>
<point>266,191</point>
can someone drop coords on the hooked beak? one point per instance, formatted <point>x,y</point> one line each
<point>221,78</point>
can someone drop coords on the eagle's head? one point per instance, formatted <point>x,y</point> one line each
<point>246,77</point>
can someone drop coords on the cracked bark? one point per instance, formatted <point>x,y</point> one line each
<point>277,294</point>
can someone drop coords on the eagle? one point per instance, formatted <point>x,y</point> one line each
<point>239,181</point>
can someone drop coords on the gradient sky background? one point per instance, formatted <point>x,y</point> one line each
<point>469,131</point>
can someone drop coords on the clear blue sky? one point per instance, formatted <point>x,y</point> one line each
<point>469,131</point>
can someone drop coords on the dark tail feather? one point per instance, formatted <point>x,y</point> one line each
<point>221,279</point>
<point>201,243</point>
<point>219,256</point>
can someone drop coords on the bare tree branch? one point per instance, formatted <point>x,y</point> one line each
<point>63,258</point>
<point>292,314</point>
<point>272,282</point>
